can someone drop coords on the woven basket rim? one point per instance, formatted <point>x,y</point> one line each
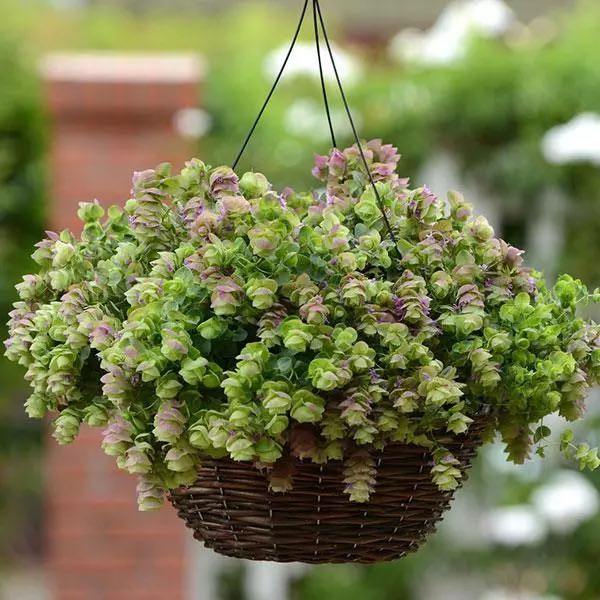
<point>232,510</point>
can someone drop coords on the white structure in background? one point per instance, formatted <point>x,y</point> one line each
<point>442,173</point>
<point>566,501</point>
<point>305,118</point>
<point>303,61</point>
<point>575,141</point>
<point>572,142</point>
<point>192,123</point>
<point>446,41</point>
<point>204,571</point>
<point>270,581</point>
<point>545,235</point>
<point>560,506</point>
<point>261,580</point>
<point>513,526</point>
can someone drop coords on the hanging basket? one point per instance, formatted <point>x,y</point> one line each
<point>231,509</point>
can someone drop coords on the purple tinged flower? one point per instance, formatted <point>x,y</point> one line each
<point>429,198</point>
<point>207,222</point>
<point>463,213</point>
<point>233,205</point>
<point>399,307</point>
<point>141,179</point>
<point>356,408</point>
<point>223,180</point>
<point>169,263</point>
<point>179,460</point>
<point>320,169</point>
<point>294,234</point>
<point>329,200</point>
<point>314,311</point>
<point>194,263</point>
<point>337,163</point>
<point>375,378</point>
<point>360,474</point>
<point>52,237</point>
<point>169,422</point>
<point>176,346</point>
<point>117,436</point>
<point>382,171</point>
<point>131,352</point>
<point>150,496</point>
<point>226,297</point>
<point>264,239</point>
<point>287,193</point>
<point>137,459</point>
<point>73,302</point>
<point>116,384</point>
<point>29,287</point>
<point>193,208</point>
<point>469,296</point>
<point>385,153</point>
<point>513,256</point>
<point>176,343</point>
<point>148,212</point>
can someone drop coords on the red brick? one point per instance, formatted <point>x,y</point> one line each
<point>99,546</point>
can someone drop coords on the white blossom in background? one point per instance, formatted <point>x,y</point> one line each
<point>270,581</point>
<point>518,525</point>
<point>575,141</point>
<point>566,501</point>
<point>303,61</point>
<point>446,41</point>
<point>306,118</point>
<point>192,122</point>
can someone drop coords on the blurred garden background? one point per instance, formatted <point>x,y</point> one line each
<point>499,99</point>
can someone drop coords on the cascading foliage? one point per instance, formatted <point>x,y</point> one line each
<point>214,316</point>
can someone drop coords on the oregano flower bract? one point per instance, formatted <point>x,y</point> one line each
<point>214,316</point>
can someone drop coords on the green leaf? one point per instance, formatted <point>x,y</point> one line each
<point>541,433</point>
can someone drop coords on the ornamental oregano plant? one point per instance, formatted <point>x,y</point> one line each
<point>214,317</point>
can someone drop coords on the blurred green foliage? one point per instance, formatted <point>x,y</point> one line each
<point>21,217</point>
<point>490,110</point>
<point>21,179</point>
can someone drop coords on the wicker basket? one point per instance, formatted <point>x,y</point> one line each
<point>231,509</point>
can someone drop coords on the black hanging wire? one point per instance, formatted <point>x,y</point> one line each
<point>354,130</point>
<point>273,88</point>
<point>322,75</point>
<point>318,19</point>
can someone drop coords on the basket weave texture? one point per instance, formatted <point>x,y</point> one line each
<point>231,509</point>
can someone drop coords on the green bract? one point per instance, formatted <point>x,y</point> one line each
<point>214,316</point>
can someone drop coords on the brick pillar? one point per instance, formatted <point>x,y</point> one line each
<point>111,115</point>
